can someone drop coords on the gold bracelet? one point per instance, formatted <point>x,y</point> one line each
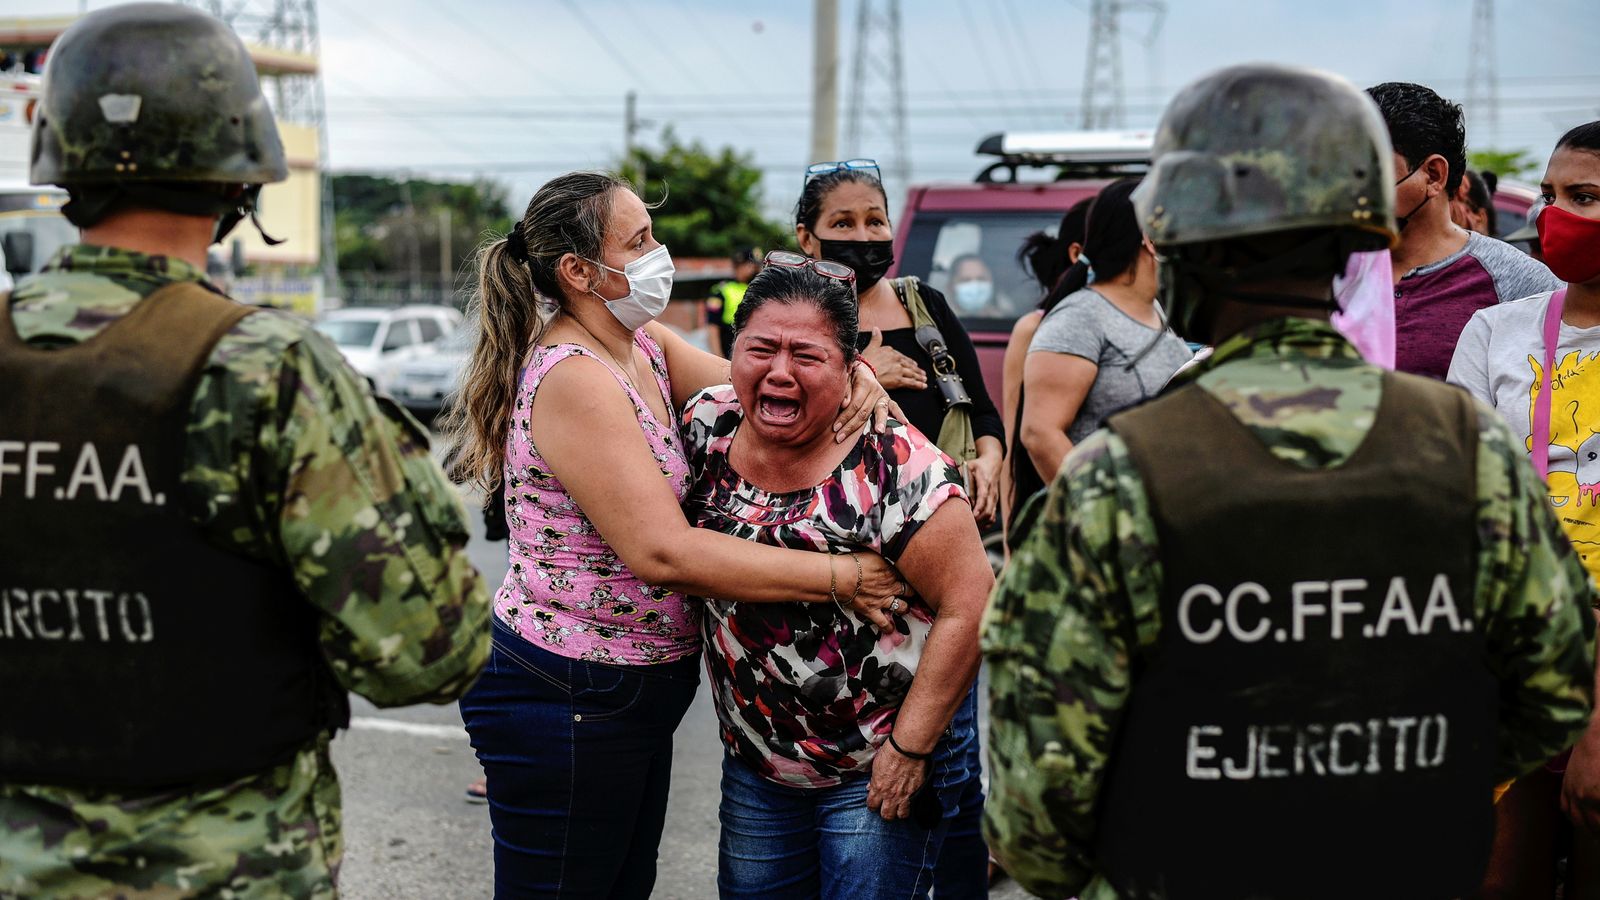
<point>859,575</point>
<point>833,585</point>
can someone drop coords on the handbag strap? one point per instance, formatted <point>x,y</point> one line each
<point>932,341</point>
<point>1540,451</point>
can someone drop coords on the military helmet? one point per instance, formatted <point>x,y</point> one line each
<point>153,92</point>
<point>1257,149</point>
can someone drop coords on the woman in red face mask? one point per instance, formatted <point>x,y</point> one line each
<point>1537,362</point>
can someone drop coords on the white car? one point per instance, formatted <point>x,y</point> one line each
<point>425,382</point>
<point>376,341</point>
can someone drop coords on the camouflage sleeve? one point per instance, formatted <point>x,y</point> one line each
<point>1535,601</point>
<point>1056,637</point>
<point>299,464</point>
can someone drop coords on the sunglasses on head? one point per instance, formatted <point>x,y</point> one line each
<point>824,267</point>
<point>843,165</point>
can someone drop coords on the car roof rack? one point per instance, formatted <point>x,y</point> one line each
<point>1073,154</point>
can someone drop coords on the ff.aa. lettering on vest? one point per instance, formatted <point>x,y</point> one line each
<point>1343,609</point>
<point>46,472</point>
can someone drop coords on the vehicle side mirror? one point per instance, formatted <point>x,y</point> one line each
<point>18,248</point>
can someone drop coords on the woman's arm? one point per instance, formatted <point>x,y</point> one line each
<point>1056,384</point>
<point>1010,396</point>
<point>944,561</point>
<point>1011,370</point>
<point>588,433</point>
<point>692,370</point>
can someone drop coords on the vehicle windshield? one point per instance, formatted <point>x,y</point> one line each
<point>947,249</point>
<point>349,332</point>
<point>51,231</point>
<point>458,341</point>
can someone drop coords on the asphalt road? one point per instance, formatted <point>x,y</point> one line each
<point>410,833</point>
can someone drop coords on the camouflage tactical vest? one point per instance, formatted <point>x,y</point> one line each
<point>136,654</point>
<point>1316,719</point>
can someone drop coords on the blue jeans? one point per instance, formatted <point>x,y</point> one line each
<point>578,758</point>
<point>790,843</point>
<point>963,870</point>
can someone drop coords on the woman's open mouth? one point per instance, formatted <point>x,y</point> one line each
<point>778,410</point>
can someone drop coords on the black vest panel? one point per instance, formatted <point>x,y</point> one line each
<point>134,652</point>
<point>1317,718</point>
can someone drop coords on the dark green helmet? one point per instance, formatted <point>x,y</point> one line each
<point>1257,149</point>
<point>153,92</point>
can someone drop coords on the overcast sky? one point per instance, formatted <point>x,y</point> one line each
<point>520,90</point>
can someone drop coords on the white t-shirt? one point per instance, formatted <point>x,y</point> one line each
<point>1500,360</point>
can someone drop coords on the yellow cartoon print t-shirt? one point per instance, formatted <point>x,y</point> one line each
<point>1500,360</point>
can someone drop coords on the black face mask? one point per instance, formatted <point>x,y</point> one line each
<point>870,259</point>
<point>1400,221</point>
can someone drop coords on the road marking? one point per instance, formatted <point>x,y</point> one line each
<point>417,729</point>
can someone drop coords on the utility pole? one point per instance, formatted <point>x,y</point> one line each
<point>878,59</point>
<point>447,273</point>
<point>414,241</point>
<point>630,124</point>
<point>1104,101</point>
<point>1483,85</point>
<point>825,82</point>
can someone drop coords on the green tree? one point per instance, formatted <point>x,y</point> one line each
<point>710,202</point>
<point>385,224</point>
<point>1504,163</point>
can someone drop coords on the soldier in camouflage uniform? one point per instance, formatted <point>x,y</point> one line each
<point>331,546</point>
<point>1193,692</point>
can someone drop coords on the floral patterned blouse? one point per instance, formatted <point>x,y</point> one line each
<point>566,590</point>
<point>804,692</point>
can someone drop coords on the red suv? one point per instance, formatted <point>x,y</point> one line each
<point>1029,186</point>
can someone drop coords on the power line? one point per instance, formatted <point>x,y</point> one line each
<point>768,112</point>
<point>520,60</point>
<point>600,41</point>
<point>737,70</point>
<point>663,49</point>
<point>1022,41</point>
<point>1551,81</point>
<point>1008,48</point>
<point>405,47</point>
<point>983,58</point>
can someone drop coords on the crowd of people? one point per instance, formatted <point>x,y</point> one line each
<point>1307,613</point>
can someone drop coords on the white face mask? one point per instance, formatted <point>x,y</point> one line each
<point>649,288</point>
<point>972,296</point>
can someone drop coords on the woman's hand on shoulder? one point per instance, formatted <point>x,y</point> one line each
<point>867,399</point>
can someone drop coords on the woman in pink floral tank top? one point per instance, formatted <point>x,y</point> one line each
<point>569,400</point>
